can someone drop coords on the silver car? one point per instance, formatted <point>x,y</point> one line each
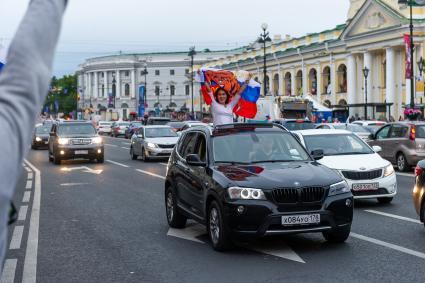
<point>362,132</point>
<point>153,142</point>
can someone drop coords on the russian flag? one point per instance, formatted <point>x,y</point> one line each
<point>247,105</point>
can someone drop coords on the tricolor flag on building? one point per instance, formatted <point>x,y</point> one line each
<point>232,82</point>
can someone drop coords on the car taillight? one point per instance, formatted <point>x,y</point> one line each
<point>412,134</point>
<point>418,171</point>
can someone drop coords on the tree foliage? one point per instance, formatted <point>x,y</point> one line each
<point>64,91</point>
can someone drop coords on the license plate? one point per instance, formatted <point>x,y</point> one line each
<point>300,219</point>
<point>81,152</point>
<point>366,187</point>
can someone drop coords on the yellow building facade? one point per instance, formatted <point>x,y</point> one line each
<point>328,65</point>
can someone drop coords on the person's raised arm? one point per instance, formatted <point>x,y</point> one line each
<point>24,84</point>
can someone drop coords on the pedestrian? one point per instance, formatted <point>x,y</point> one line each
<point>24,83</point>
<point>222,104</point>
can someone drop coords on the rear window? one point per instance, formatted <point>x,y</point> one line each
<point>420,131</point>
<point>76,129</point>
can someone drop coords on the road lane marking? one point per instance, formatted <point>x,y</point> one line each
<point>190,233</point>
<point>405,174</point>
<point>9,271</point>
<point>30,175</point>
<point>30,263</point>
<point>73,184</point>
<point>29,184</point>
<point>15,242</point>
<point>125,147</point>
<point>151,174</point>
<point>388,245</point>
<point>27,196</point>
<point>84,168</point>
<point>113,145</point>
<point>22,213</point>
<point>394,216</point>
<point>117,163</point>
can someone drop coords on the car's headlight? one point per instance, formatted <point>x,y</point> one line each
<point>96,140</point>
<point>388,171</point>
<point>38,139</point>
<point>339,188</point>
<point>63,141</point>
<point>246,193</point>
<point>151,144</point>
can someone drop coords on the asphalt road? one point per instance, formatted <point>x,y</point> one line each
<point>88,222</point>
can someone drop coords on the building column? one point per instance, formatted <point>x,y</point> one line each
<point>333,80</point>
<point>96,85</point>
<point>293,82</point>
<point>118,85</point>
<point>351,81</point>
<point>319,82</point>
<point>390,78</point>
<point>304,78</point>
<point>90,88</point>
<point>367,62</point>
<point>105,84</point>
<point>133,83</point>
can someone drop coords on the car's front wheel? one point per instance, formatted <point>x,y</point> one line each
<point>338,235</point>
<point>385,200</point>
<point>217,229</point>
<point>133,156</point>
<point>174,217</point>
<point>402,163</point>
<point>101,159</point>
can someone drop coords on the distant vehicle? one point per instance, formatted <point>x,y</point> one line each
<point>153,142</point>
<point>72,140</point>
<point>104,127</point>
<point>402,143</point>
<point>176,125</point>
<point>371,126</point>
<point>157,121</point>
<point>191,124</point>
<point>367,174</point>
<point>355,128</point>
<point>40,137</point>
<point>419,190</point>
<point>295,124</point>
<point>254,180</point>
<point>119,128</point>
<point>132,128</point>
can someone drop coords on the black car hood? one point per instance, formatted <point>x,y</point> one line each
<point>273,175</point>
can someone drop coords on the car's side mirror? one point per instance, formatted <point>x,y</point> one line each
<point>317,154</point>
<point>377,148</point>
<point>194,160</point>
<point>372,137</point>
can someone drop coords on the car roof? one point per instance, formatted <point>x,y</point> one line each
<point>74,122</point>
<point>322,132</point>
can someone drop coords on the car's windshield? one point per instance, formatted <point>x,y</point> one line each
<point>297,126</point>
<point>159,132</point>
<point>76,129</point>
<point>42,130</point>
<point>337,144</point>
<point>255,147</point>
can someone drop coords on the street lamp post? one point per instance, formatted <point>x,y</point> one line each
<point>145,73</point>
<point>191,54</point>
<point>114,87</point>
<point>264,38</point>
<point>365,74</point>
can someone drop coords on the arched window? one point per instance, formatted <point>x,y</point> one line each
<point>276,84</point>
<point>127,90</point>
<point>342,78</point>
<point>312,78</point>
<point>326,79</point>
<point>342,102</point>
<point>288,84</point>
<point>299,83</point>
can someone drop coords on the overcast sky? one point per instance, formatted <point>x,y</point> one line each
<point>101,27</point>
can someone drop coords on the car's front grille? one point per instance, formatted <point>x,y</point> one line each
<point>380,191</point>
<point>80,141</point>
<point>367,175</point>
<point>298,195</point>
<point>166,145</point>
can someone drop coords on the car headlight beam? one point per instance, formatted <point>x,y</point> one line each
<point>63,141</point>
<point>246,193</point>
<point>96,140</point>
<point>38,139</point>
<point>389,170</point>
<point>339,188</point>
<point>151,145</point>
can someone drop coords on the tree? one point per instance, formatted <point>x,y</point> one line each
<point>64,91</point>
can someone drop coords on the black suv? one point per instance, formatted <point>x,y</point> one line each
<point>71,140</point>
<point>254,180</point>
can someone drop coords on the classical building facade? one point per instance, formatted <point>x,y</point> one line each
<point>109,85</point>
<point>328,65</point>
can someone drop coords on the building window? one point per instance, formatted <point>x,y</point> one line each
<point>102,75</point>
<point>172,90</point>
<point>127,73</point>
<point>103,90</point>
<point>157,73</point>
<point>186,71</point>
<point>172,72</point>
<point>187,89</point>
<point>157,90</point>
<point>127,90</point>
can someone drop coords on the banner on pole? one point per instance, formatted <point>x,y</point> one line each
<point>419,86</point>
<point>141,107</point>
<point>408,57</point>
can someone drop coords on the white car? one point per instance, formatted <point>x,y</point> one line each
<point>367,174</point>
<point>104,127</point>
<point>355,128</point>
<point>371,126</point>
